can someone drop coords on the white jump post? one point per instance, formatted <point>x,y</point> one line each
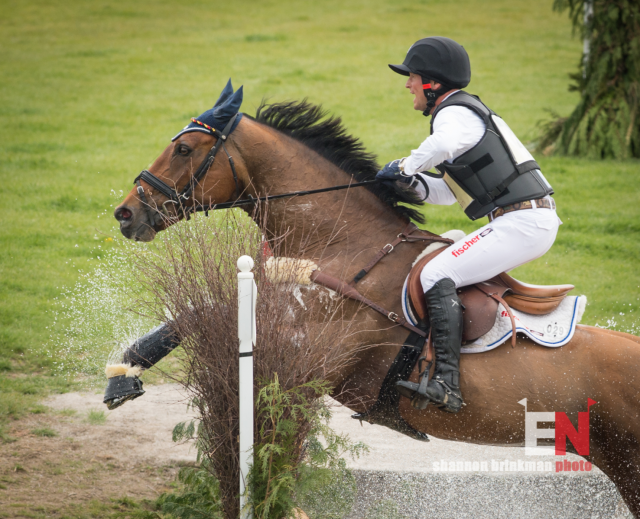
<point>247,296</point>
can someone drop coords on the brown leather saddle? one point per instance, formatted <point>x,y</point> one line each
<point>481,300</point>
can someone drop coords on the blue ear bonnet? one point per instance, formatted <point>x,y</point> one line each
<point>225,108</point>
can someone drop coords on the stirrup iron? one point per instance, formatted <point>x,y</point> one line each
<point>416,392</point>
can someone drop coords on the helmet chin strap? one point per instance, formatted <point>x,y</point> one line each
<point>432,95</point>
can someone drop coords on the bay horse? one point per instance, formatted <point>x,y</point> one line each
<point>292,147</point>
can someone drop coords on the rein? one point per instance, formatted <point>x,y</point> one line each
<point>251,200</point>
<point>173,197</point>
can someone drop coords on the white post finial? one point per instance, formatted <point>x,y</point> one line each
<point>245,263</point>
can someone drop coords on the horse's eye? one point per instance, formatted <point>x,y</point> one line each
<point>184,150</point>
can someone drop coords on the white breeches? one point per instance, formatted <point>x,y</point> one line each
<point>509,241</point>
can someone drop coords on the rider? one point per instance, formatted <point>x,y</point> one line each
<point>481,164</point>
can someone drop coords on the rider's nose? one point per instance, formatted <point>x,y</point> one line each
<point>124,215</point>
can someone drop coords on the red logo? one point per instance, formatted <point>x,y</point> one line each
<point>469,243</point>
<point>579,438</point>
<point>563,429</point>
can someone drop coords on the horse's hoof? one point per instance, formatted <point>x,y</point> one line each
<point>422,437</point>
<point>121,389</point>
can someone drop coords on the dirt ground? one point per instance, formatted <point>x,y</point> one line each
<point>76,458</point>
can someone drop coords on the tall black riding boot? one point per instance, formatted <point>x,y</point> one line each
<point>445,314</point>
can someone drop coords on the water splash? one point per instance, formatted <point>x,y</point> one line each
<point>99,317</point>
<point>621,322</point>
<point>108,309</point>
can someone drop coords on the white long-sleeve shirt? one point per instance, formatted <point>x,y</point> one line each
<point>456,130</point>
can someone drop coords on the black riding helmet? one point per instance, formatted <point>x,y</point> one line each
<point>437,58</point>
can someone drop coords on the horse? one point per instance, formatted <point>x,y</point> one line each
<point>293,146</point>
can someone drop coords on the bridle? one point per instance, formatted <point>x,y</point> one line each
<point>180,199</point>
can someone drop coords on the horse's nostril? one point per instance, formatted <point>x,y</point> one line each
<point>123,214</point>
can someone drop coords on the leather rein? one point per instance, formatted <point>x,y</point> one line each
<point>180,199</point>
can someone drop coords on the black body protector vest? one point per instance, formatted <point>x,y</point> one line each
<point>497,171</point>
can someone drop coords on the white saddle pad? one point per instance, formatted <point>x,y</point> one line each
<point>552,330</point>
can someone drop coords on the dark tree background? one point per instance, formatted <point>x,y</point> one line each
<point>606,123</point>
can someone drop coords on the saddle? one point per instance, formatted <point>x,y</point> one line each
<point>481,300</point>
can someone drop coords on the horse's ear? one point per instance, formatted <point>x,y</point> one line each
<point>216,118</point>
<point>227,92</point>
<point>230,107</point>
<point>235,101</point>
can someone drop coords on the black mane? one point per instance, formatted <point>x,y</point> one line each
<point>308,124</point>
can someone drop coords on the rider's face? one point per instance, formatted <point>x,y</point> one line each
<point>414,84</point>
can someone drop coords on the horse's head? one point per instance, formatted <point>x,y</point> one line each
<point>187,174</point>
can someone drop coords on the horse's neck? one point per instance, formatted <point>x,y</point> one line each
<point>332,226</point>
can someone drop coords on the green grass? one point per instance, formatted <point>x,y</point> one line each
<point>38,409</point>
<point>96,417</point>
<point>91,92</point>
<point>123,508</point>
<point>67,412</point>
<point>21,393</point>
<point>45,432</point>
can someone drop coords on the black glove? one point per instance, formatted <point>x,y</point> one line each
<point>391,171</point>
